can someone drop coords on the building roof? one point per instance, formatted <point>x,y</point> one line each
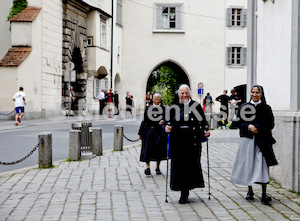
<point>28,14</point>
<point>15,56</point>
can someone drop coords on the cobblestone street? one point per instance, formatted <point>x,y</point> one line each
<point>114,187</point>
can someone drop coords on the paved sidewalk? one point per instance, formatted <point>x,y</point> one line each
<point>114,187</point>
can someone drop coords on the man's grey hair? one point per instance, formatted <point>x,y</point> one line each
<point>182,86</point>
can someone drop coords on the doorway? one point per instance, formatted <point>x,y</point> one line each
<point>165,79</point>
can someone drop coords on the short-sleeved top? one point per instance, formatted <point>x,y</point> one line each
<point>19,102</point>
<point>223,99</point>
<point>128,101</point>
<point>110,97</point>
<point>236,98</point>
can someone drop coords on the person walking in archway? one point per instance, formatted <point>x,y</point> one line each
<point>148,98</point>
<point>152,134</point>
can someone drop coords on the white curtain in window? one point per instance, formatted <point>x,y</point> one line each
<point>165,21</point>
<point>103,35</point>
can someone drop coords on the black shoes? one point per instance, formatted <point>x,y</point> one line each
<point>158,172</point>
<point>147,171</point>
<point>182,200</point>
<point>265,199</point>
<point>249,196</point>
<point>184,196</point>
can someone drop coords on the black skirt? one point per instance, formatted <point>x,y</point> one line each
<point>186,170</point>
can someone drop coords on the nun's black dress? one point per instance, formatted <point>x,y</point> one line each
<point>185,146</point>
<point>153,135</point>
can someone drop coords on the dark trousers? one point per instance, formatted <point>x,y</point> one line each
<point>101,106</point>
<point>117,110</point>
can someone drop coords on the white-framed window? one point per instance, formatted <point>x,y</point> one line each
<point>236,17</point>
<point>236,55</point>
<point>103,33</point>
<point>119,12</point>
<point>89,41</point>
<point>168,16</point>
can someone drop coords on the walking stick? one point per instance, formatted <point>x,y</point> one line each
<point>168,148</point>
<point>208,170</point>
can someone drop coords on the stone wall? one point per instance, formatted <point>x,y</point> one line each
<point>287,150</point>
<point>74,50</point>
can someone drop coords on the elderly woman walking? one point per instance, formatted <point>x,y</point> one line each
<point>255,154</point>
<point>188,128</point>
<point>152,135</point>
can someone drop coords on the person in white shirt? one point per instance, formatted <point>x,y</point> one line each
<point>19,99</point>
<point>101,97</point>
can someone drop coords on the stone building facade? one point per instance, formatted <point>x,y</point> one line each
<point>197,44</point>
<point>56,36</point>
<point>110,47</point>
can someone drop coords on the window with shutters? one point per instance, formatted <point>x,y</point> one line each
<point>119,12</point>
<point>236,17</point>
<point>236,56</point>
<point>103,33</point>
<point>168,16</point>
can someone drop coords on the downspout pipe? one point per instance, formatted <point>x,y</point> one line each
<point>251,45</point>
<point>112,43</point>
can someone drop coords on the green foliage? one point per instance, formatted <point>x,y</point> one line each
<point>69,160</point>
<point>166,81</point>
<point>291,191</point>
<point>44,167</point>
<point>18,6</point>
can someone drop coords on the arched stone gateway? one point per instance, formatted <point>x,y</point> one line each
<point>74,50</point>
<point>165,78</point>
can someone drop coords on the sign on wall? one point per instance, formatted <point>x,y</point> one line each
<point>200,91</point>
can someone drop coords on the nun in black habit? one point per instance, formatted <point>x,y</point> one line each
<point>188,128</point>
<point>152,134</point>
<point>255,154</point>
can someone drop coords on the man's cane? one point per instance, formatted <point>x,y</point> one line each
<point>168,148</point>
<point>208,170</point>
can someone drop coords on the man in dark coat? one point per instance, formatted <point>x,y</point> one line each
<point>116,100</point>
<point>224,99</point>
<point>152,134</point>
<point>188,128</point>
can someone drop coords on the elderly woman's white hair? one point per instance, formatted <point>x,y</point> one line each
<point>157,93</point>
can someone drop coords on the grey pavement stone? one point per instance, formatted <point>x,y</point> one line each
<point>113,187</point>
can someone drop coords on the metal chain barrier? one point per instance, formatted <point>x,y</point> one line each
<point>130,139</point>
<point>8,113</point>
<point>24,158</point>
